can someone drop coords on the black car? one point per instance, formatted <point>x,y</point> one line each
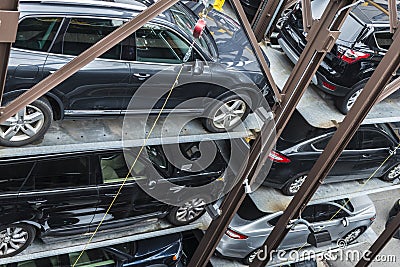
<point>68,194</point>
<point>52,33</point>
<point>250,7</point>
<point>301,144</point>
<point>392,213</point>
<point>163,251</point>
<point>364,40</point>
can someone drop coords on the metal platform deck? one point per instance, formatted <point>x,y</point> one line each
<point>146,229</point>
<point>101,134</point>
<point>317,107</point>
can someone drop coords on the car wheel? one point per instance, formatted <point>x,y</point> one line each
<point>15,238</point>
<point>392,174</point>
<point>251,257</point>
<point>293,186</point>
<point>188,212</point>
<point>353,235</point>
<point>344,104</point>
<point>28,125</point>
<point>228,113</point>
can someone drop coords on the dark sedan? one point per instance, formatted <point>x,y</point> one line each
<point>300,145</point>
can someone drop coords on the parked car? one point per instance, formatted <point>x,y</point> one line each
<point>364,40</point>
<point>60,195</point>
<point>301,144</point>
<point>393,212</point>
<point>162,251</point>
<point>250,227</point>
<point>52,33</point>
<point>250,7</point>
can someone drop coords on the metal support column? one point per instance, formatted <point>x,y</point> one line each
<point>336,145</point>
<point>393,17</point>
<point>265,17</point>
<point>8,29</point>
<point>256,47</point>
<point>381,242</point>
<point>307,14</point>
<point>85,58</point>
<point>322,41</point>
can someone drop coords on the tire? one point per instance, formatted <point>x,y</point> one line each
<point>19,131</point>
<point>227,113</point>
<point>294,184</point>
<point>20,235</point>
<point>392,174</point>
<point>251,257</point>
<point>345,103</point>
<point>190,211</point>
<point>353,235</point>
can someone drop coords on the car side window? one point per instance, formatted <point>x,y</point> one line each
<point>13,176</point>
<point>354,143</point>
<point>384,39</point>
<point>60,173</point>
<point>374,140</point>
<point>37,34</point>
<point>160,45</point>
<point>90,258</point>
<point>114,168</point>
<point>82,33</point>
<point>321,144</point>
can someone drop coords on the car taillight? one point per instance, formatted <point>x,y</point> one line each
<point>372,219</point>
<point>329,86</point>
<point>351,56</point>
<point>235,235</point>
<point>277,157</point>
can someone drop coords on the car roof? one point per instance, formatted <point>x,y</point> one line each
<point>94,8</point>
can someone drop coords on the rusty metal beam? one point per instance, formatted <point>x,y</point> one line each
<point>336,145</point>
<point>390,89</point>
<point>262,146</point>
<point>393,17</point>
<point>256,47</point>
<point>8,28</point>
<point>267,14</point>
<point>307,14</point>
<point>380,243</point>
<point>85,58</point>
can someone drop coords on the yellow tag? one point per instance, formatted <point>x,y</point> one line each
<point>218,4</point>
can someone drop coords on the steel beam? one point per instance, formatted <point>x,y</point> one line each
<point>393,17</point>
<point>7,36</point>
<point>262,146</point>
<point>256,47</point>
<point>85,58</point>
<point>336,145</point>
<point>380,243</point>
<point>390,89</point>
<point>265,17</point>
<point>307,15</point>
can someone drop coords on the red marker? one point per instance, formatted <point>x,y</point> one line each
<point>199,28</point>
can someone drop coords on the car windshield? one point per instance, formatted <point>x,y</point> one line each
<point>186,23</point>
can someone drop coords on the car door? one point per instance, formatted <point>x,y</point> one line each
<point>62,191</point>
<point>132,203</point>
<point>99,87</point>
<point>160,51</point>
<point>296,237</point>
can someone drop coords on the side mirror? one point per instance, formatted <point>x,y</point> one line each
<point>152,184</point>
<point>198,67</point>
<point>345,222</point>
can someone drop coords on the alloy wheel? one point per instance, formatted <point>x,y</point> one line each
<point>190,210</point>
<point>353,235</point>
<point>394,173</point>
<point>12,239</point>
<point>353,99</point>
<point>23,125</point>
<point>229,114</point>
<point>296,184</point>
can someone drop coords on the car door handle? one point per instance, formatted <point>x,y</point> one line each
<point>141,75</point>
<point>37,202</point>
<point>365,156</point>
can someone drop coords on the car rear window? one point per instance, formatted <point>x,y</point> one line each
<point>350,30</point>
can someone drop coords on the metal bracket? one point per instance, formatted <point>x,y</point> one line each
<point>247,188</point>
<point>307,15</point>
<point>8,26</point>
<point>328,43</point>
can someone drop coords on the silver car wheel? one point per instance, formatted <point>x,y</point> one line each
<point>12,239</point>
<point>353,235</point>
<point>23,125</point>
<point>229,114</point>
<point>394,173</point>
<point>190,210</point>
<point>353,98</point>
<point>253,256</point>
<point>296,184</point>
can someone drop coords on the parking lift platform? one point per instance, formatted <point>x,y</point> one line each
<point>317,107</point>
<point>103,134</point>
